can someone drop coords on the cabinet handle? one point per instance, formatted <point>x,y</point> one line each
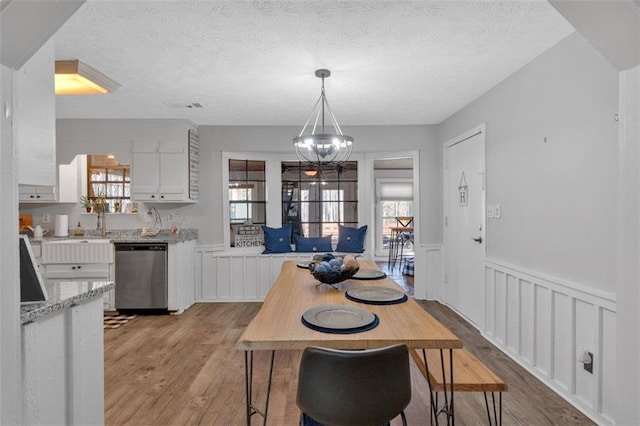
<point>79,266</point>
<point>37,196</point>
<point>153,196</point>
<point>32,196</point>
<point>162,196</point>
<point>73,267</point>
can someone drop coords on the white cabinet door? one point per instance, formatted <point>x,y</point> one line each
<point>72,180</point>
<point>160,171</point>
<point>145,176</point>
<point>174,173</point>
<point>63,367</point>
<point>86,271</point>
<point>37,194</point>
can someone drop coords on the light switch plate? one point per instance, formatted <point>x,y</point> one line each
<point>490,212</point>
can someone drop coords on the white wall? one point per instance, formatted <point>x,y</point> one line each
<point>552,163</point>
<point>628,331</point>
<point>10,385</point>
<point>558,197</point>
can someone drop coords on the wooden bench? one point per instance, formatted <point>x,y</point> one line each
<point>469,375</point>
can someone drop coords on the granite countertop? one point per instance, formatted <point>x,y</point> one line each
<point>62,295</point>
<point>133,236</point>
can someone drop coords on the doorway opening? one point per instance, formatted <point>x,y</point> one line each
<point>394,189</point>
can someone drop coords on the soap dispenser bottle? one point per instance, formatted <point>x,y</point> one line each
<point>79,231</point>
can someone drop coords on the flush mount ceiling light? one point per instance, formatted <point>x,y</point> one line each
<point>76,78</point>
<point>319,146</point>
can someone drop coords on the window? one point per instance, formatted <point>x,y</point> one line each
<point>395,199</point>
<point>315,200</point>
<point>247,202</point>
<point>106,177</point>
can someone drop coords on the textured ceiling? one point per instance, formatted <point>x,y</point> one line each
<point>253,62</point>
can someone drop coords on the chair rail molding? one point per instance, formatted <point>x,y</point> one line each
<point>545,324</point>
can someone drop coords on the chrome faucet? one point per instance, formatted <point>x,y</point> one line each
<point>102,223</point>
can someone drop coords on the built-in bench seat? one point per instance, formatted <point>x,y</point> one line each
<point>469,375</point>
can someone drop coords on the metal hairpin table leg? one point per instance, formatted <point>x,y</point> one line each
<point>452,412</point>
<point>447,408</point>
<point>248,382</point>
<point>496,420</point>
<point>433,399</point>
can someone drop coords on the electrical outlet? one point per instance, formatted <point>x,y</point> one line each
<point>588,362</point>
<point>498,211</point>
<point>46,218</point>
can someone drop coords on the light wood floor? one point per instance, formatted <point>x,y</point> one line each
<point>183,370</point>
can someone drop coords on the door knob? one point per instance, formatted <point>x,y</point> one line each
<point>478,240</point>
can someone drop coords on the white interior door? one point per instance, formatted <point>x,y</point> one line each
<point>464,230</point>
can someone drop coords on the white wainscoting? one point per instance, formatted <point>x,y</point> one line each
<point>233,277</point>
<point>428,272</point>
<point>543,322</point>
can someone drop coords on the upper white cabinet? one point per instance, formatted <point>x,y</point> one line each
<point>72,180</point>
<point>37,194</point>
<point>160,171</point>
<point>34,125</point>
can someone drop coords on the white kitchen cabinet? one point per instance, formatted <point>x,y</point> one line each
<point>62,367</point>
<point>84,272</point>
<point>160,171</point>
<point>36,194</point>
<point>181,280</point>
<point>34,124</point>
<point>73,260</point>
<point>72,180</point>
<point>78,271</point>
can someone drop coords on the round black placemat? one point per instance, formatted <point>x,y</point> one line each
<point>369,274</point>
<point>395,298</point>
<point>368,327</point>
<point>339,319</point>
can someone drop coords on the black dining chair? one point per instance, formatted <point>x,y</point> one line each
<point>367,387</point>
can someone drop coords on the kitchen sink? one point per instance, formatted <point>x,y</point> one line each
<point>78,251</point>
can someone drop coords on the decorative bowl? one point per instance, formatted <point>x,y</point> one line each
<point>326,275</point>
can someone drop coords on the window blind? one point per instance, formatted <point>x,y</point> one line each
<point>395,191</point>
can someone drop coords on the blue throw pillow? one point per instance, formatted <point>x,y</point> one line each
<point>277,240</point>
<point>319,244</point>
<point>351,240</point>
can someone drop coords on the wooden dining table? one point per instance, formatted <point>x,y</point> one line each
<point>278,324</point>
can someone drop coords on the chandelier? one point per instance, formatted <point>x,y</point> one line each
<point>321,146</point>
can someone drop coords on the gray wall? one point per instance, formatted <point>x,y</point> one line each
<point>115,137</point>
<point>558,197</point>
<point>271,139</point>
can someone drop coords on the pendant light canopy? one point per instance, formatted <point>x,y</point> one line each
<point>320,146</point>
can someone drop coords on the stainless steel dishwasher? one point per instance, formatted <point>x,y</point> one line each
<point>141,276</point>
